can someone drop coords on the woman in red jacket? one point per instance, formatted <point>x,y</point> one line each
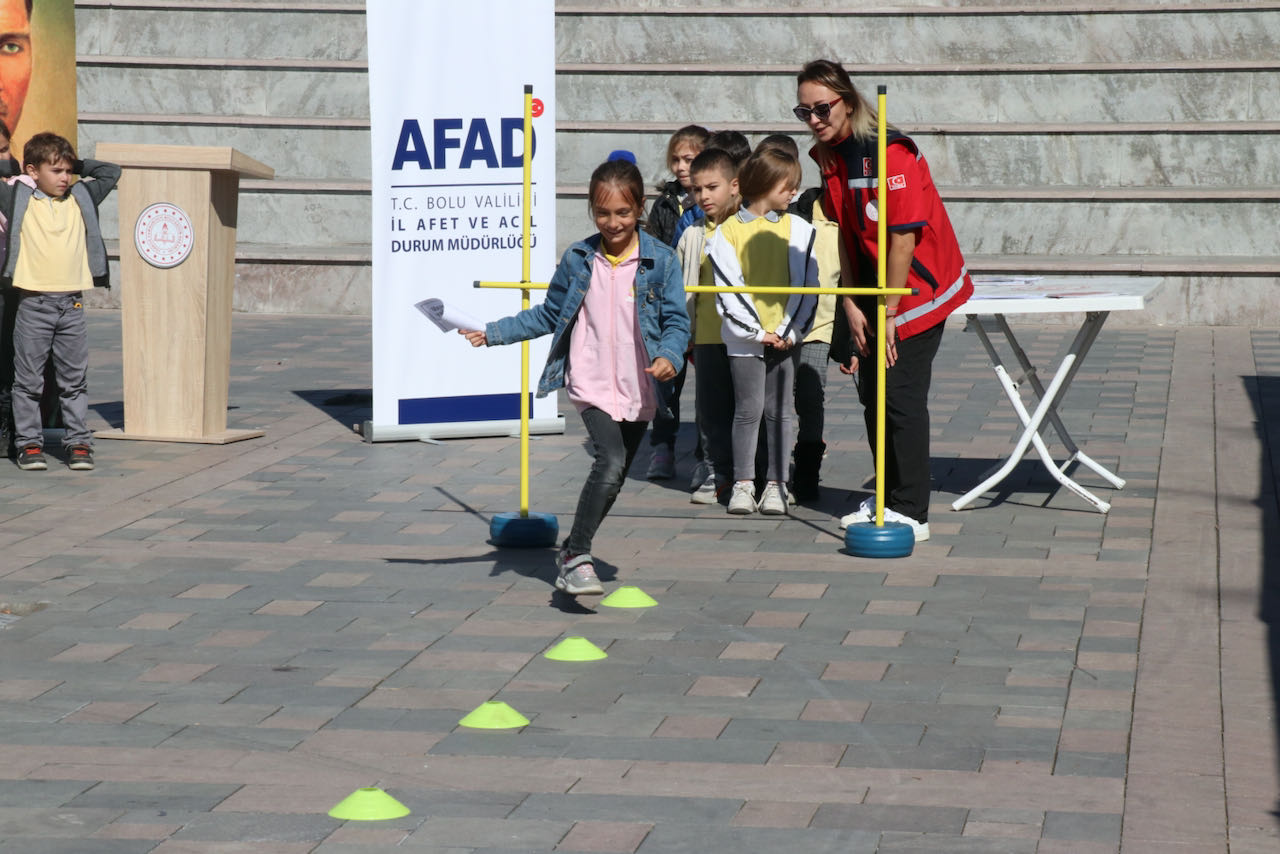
<point>922,253</point>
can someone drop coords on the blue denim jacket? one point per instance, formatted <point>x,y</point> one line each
<point>664,322</point>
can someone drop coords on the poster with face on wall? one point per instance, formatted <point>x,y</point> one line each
<point>37,69</point>
<point>446,95</point>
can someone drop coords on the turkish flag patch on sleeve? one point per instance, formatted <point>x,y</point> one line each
<point>897,182</point>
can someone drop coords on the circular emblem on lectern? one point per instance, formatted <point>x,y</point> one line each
<point>163,235</point>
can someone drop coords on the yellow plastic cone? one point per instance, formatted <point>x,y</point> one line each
<point>494,714</point>
<point>575,649</point>
<point>629,597</point>
<point>368,805</point>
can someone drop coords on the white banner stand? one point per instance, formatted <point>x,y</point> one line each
<point>447,209</point>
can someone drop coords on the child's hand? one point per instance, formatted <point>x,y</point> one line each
<point>661,369</point>
<point>475,336</point>
<point>771,339</point>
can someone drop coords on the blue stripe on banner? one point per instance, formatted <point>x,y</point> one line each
<point>475,407</point>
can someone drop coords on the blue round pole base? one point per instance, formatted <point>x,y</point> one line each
<point>535,531</point>
<point>893,539</point>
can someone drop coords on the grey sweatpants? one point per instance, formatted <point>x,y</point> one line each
<point>50,324</point>
<point>761,391</point>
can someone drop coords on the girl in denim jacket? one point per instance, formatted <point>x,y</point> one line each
<point>615,310</point>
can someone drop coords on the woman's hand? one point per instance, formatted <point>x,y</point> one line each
<point>475,336</point>
<point>661,369</point>
<point>859,329</point>
<point>890,342</point>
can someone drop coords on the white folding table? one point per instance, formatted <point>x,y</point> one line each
<point>1095,297</point>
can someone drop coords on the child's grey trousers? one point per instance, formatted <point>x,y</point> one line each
<point>50,325</point>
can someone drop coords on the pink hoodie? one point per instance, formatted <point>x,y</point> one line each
<point>607,357</point>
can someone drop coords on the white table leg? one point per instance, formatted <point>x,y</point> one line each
<point>1084,342</point>
<point>1047,407</point>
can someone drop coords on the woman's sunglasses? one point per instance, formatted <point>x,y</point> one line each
<point>822,111</point>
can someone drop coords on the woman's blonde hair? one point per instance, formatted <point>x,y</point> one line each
<point>829,73</point>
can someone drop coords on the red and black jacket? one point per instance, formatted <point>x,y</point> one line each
<point>849,198</point>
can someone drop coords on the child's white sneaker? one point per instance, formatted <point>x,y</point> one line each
<point>742,501</point>
<point>709,490</point>
<point>772,501</point>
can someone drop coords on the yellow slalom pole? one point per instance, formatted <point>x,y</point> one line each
<point>882,281</point>
<point>524,298</point>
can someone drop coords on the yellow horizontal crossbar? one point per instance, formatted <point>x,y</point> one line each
<point>515,286</point>
<point>779,289</point>
<point>715,289</point>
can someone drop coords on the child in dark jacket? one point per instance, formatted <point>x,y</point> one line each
<point>673,203</point>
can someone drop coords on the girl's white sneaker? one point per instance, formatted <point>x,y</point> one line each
<point>773,501</point>
<point>742,501</point>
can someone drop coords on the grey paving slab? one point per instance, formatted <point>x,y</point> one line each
<point>705,811</point>
<point>889,817</point>
<point>929,843</point>
<point>76,846</point>
<point>1092,827</point>
<point>160,796</point>
<point>679,839</point>
<point>261,829</point>
<point>40,794</point>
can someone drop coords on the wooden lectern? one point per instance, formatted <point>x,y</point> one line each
<point>177,268</point>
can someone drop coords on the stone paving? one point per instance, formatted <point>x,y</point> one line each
<point>205,648</point>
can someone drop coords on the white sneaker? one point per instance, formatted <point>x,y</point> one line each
<point>920,529</point>
<point>743,499</point>
<point>708,491</point>
<point>866,512</point>
<point>662,465</point>
<point>701,472</point>
<point>772,500</point>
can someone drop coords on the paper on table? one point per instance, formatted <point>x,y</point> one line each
<point>447,317</point>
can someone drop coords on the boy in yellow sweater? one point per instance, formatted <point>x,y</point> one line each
<point>55,253</point>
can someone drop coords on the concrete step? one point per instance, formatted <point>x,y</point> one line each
<point>222,87</point>
<point>221,29</point>
<point>328,149</point>
<point>911,33</point>
<point>975,92</point>
<point>715,94</point>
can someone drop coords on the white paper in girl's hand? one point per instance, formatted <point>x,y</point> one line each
<point>447,317</point>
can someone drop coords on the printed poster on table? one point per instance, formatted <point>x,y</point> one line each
<point>446,97</point>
